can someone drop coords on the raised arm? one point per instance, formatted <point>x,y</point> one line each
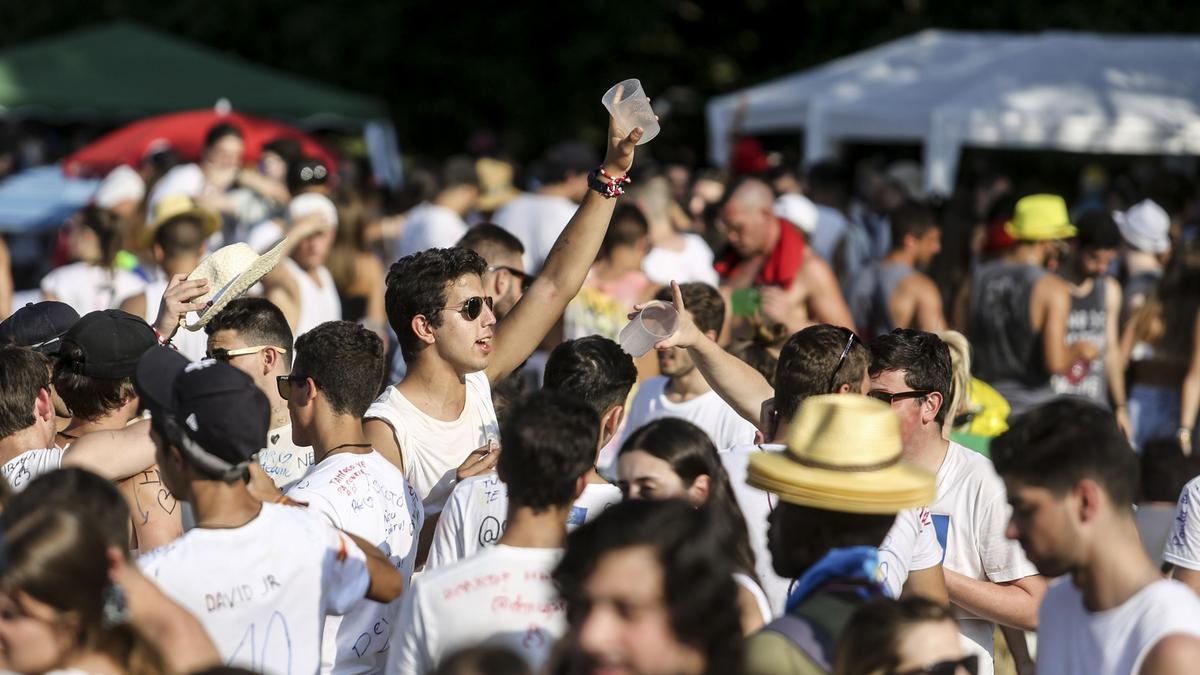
<point>114,455</point>
<point>564,270</point>
<point>737,383</point>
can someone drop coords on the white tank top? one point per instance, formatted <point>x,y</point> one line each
<point>1072,640</point>
<point>432,449</point>
<point>319,302</point>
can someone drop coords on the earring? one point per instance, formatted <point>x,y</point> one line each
<point>115,611</point>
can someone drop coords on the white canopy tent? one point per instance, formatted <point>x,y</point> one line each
<point>946,90</point>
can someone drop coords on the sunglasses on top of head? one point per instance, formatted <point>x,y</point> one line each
<point>471,308</point>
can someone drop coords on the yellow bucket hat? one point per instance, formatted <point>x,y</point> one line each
<point>1040,218</point>
<point>843,455</point>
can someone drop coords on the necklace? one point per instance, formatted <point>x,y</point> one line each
<point>347,445</point>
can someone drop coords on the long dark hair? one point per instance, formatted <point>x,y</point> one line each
<point>107,227</point>
<point>60,558</point>
<point>691,454</point>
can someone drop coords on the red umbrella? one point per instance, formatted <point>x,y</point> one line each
<point>184,133</point>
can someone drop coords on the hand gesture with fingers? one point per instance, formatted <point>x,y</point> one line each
<point>686,333</point>
<point>480,461</point>
<point>182,296</point>
<point>619,157</point>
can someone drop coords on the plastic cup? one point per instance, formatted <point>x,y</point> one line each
<point>655,322</point>
<point>632,110</point>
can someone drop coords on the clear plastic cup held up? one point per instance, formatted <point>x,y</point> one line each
<point>632,109</point>
<point>656,321</point>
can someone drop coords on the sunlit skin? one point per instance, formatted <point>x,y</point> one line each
<point>83,244</point>
<point>464,343</point>
<point>226,154</point>
<point>675,362</point>
<point>751,230</point>
<point>927,643</point>
<point>641,475</point>
<point>1044,525</point>
<point>33,637</point>
<point>912,412</point>
<point>313,250</point>
<point>626,627</point>
<point>928,246</point>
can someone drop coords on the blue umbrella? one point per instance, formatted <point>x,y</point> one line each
<point>40,199</point>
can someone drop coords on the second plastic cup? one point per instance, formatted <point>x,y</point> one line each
<point>656,321</point>
<point>633,110</point>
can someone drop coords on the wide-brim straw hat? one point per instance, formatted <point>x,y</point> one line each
<point>231,271</point>
<point>844,455</point>
<point>1040,218</point>
<point>175,206</point>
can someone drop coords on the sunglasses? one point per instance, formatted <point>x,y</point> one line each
<point>889,398</point>
<point>526,279</point>
<point>226,355</point>
<point>285,384</point>
<point>841,361</point>
<point>471,307</point>
<point>970,664</point>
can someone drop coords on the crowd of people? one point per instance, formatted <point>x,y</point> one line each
<point>251,427</point>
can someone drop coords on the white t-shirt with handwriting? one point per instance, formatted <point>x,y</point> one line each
<point>502,596</point>
<point>708,411</point>
<point>262,590</point>
<point>367,496</point>
<point>476,516</point>
<point>1183,541</point>
<point>283,460</point>
<point>23,468</point>
<point>970,517</point>
<point>432,449</point>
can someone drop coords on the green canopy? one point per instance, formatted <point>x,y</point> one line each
<point>125,70</point>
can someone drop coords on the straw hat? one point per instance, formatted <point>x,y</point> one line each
<point>843,455</point>
<point>175,206</point>
<point>231,271</point>
<point>1040,218</point>
<point>495,183</point>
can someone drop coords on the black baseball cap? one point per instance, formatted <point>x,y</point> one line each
<point>212,411</point>
<point>39,326</point>
<point>110,343</point>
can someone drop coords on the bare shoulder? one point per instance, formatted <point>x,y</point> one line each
<point>383,438</point>
<point>135,304</point>
<point>1175,654</point>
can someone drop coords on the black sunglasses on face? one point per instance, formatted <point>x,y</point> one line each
<point>471,307</point>
<point>525,279</point>
<point>285,383</point>
<point>969,664</point>
<point>838,367</point>
<point>889,398</point>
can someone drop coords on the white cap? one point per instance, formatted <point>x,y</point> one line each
<point>122,184</point>
<point>1145,226</point>
<point>799,210</point>
<point>309,203</point>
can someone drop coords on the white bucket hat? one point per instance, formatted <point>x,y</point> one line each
<point>799,210</point>
<point>1145,226</point>
<point>231,271</point>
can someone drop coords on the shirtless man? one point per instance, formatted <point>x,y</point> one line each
<point>894,293</point>
<point>767,253</point>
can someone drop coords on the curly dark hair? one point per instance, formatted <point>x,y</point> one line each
<point>593,369</point>
<point>549,441</point>
<point>346,360</point>
<point>692,547</point>
<point>416,285</point>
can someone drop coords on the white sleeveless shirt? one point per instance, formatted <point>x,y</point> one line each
<point>432,449</point>
<point>1116,641</point>
<point>319,302</point>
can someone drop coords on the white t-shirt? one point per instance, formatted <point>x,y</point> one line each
<point>1183,543</point>
<point>536,220</point>
<point>432,449</point>
<point>502,596</point>
<point>911,544</point>
<point>89,288</point>
<point>367,496</point>
<point>430,226</point>
<point>476,515</point>
<point>692,264</point>
<point>708,411</point>
<point>1115,641</point>
<point>262,590</point>
<point>970,517</point>
<point>319,302</point>
<point>283,460</point>
<point>23,468</point>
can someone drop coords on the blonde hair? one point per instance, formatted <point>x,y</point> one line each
<point>960,366</point>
